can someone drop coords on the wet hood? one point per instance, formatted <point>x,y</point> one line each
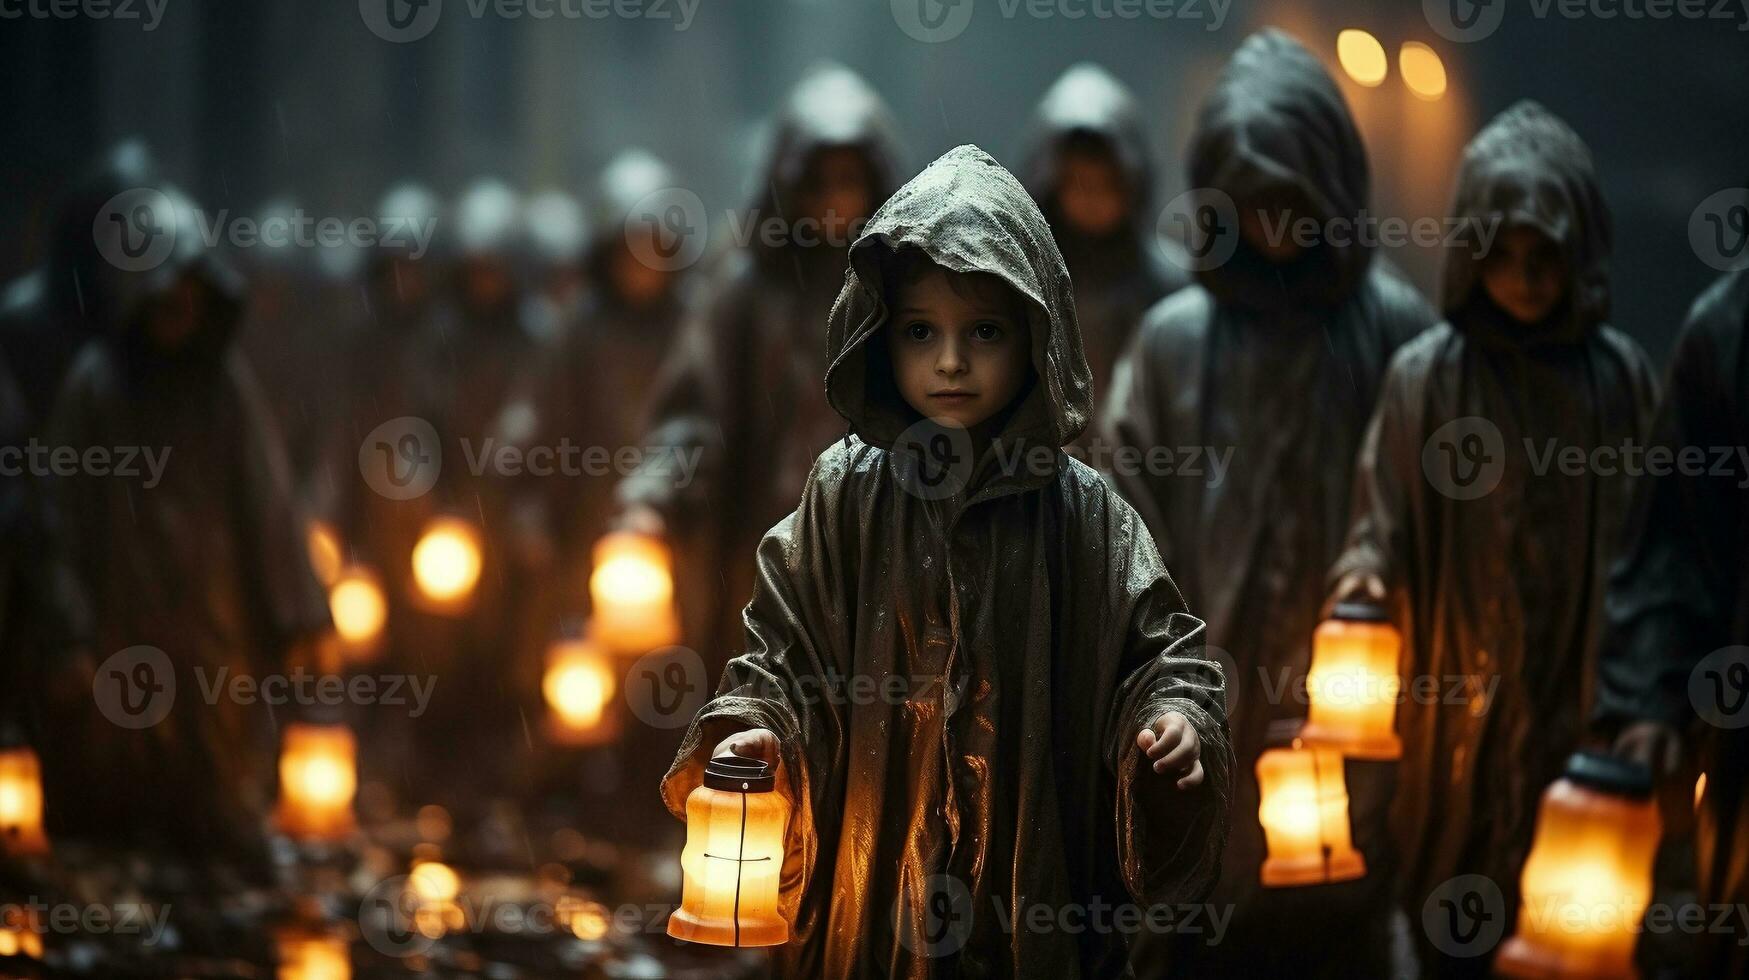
<point>968,214</point>
<point>830,107</point>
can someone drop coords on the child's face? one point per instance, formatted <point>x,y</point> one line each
<point>1525,274</point>
<point>1091,193</point>
<point>960,346</point>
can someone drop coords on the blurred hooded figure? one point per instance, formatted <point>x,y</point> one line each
<point>1503,587</point>
<point>1681,592</point>
<point>50,313</point>
<point>1233,364</point>
<point>199,555</point>
<point>740,390</point>
<point>558,234</point>
<point>1089,168</point>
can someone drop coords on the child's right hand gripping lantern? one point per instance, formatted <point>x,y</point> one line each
<point>733,860</point>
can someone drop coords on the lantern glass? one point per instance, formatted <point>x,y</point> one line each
<point>446,564</point>
<point>1589,875</point>
<point>733,861</point>
<point>21,803</point>
<point>632,593</point>
<point>1304,811</point>
<point>579,687</point>
<point>1354,684</point>
<point>318,777</point>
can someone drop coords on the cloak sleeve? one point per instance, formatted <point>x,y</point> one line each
<point>1385,474</point>
<point>1670,593</point>
<point>1169,840</point>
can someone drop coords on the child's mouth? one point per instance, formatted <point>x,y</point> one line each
<point>954,396</point>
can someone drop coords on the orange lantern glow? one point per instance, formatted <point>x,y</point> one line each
<point>1304,811</point>
<point>21,803</point>
<point>434,887</point>
<point>305,954</point>
<point>446,564</point>
<point>326,554</point>
<point>632,589</point>
<point>358,607</point>
<point>1354,684</point>
<point>318,776</point>
<point>21,932</point>
<point>733,858</point>
<point>1589,875</point>
<point>579,687</point>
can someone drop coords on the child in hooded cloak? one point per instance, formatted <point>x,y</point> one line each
<point>1047,734</point>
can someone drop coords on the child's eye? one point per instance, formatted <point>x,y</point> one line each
<point>987,332</point>
<point>917,331</point>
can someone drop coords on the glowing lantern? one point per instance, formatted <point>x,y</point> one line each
<point>1589,874</point>
<point>434,886</point>
<point>446,564</point>
<point>21,803</point>
<point>309,955</point>
<point>1304,811</point>
<point>632,590</point>
<point>21,932</point>
<point>326,555</point>
<point>733,858</point>
<point>1422,70</point>
<point>579,686</point>
<point>318,776</point>
<point>1354,684</point>
<point>356,602</point>
<point>1362,57</point>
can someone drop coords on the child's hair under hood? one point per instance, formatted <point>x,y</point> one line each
<point>965,213</point>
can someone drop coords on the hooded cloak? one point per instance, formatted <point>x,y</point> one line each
<point>1257,383</point>
<point>741,385</point>
<point>1499,590</point>
<point>1030,622</point>
<point>1117,276</point>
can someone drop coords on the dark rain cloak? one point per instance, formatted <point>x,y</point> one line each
<point>1502,593</point>
<point>208,565</point>
<point>1681,590</point>
<point>742,382</point>
<point>1278,366</point>
<point>1033,624</point>
<point>1120,275</point>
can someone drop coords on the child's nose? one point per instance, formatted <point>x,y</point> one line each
<point>951,360</point>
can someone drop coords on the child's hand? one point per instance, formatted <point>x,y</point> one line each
<point>754,743</point>
<point>1172,744</point>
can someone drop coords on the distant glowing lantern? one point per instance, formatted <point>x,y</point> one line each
<point>1353,683</point>
<point>434,886</point>
<point>21,803</point>
<point>1422,70</point>
<point>1304,811</point>
<point>1362,57</point>
<point>318,776</point>
<point>632,590</point>
<point>579,686</point>
<point>305,954</point>
<point>21,932</point>
<point>446,564</point>
<point>1589,874</point>
<point>326,554</point>
<point>733,858</point>
<point>1699,790</point>
<point>585,919</point>
<point>356,602</point>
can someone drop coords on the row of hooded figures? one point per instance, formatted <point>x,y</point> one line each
<point>1308,378</point>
